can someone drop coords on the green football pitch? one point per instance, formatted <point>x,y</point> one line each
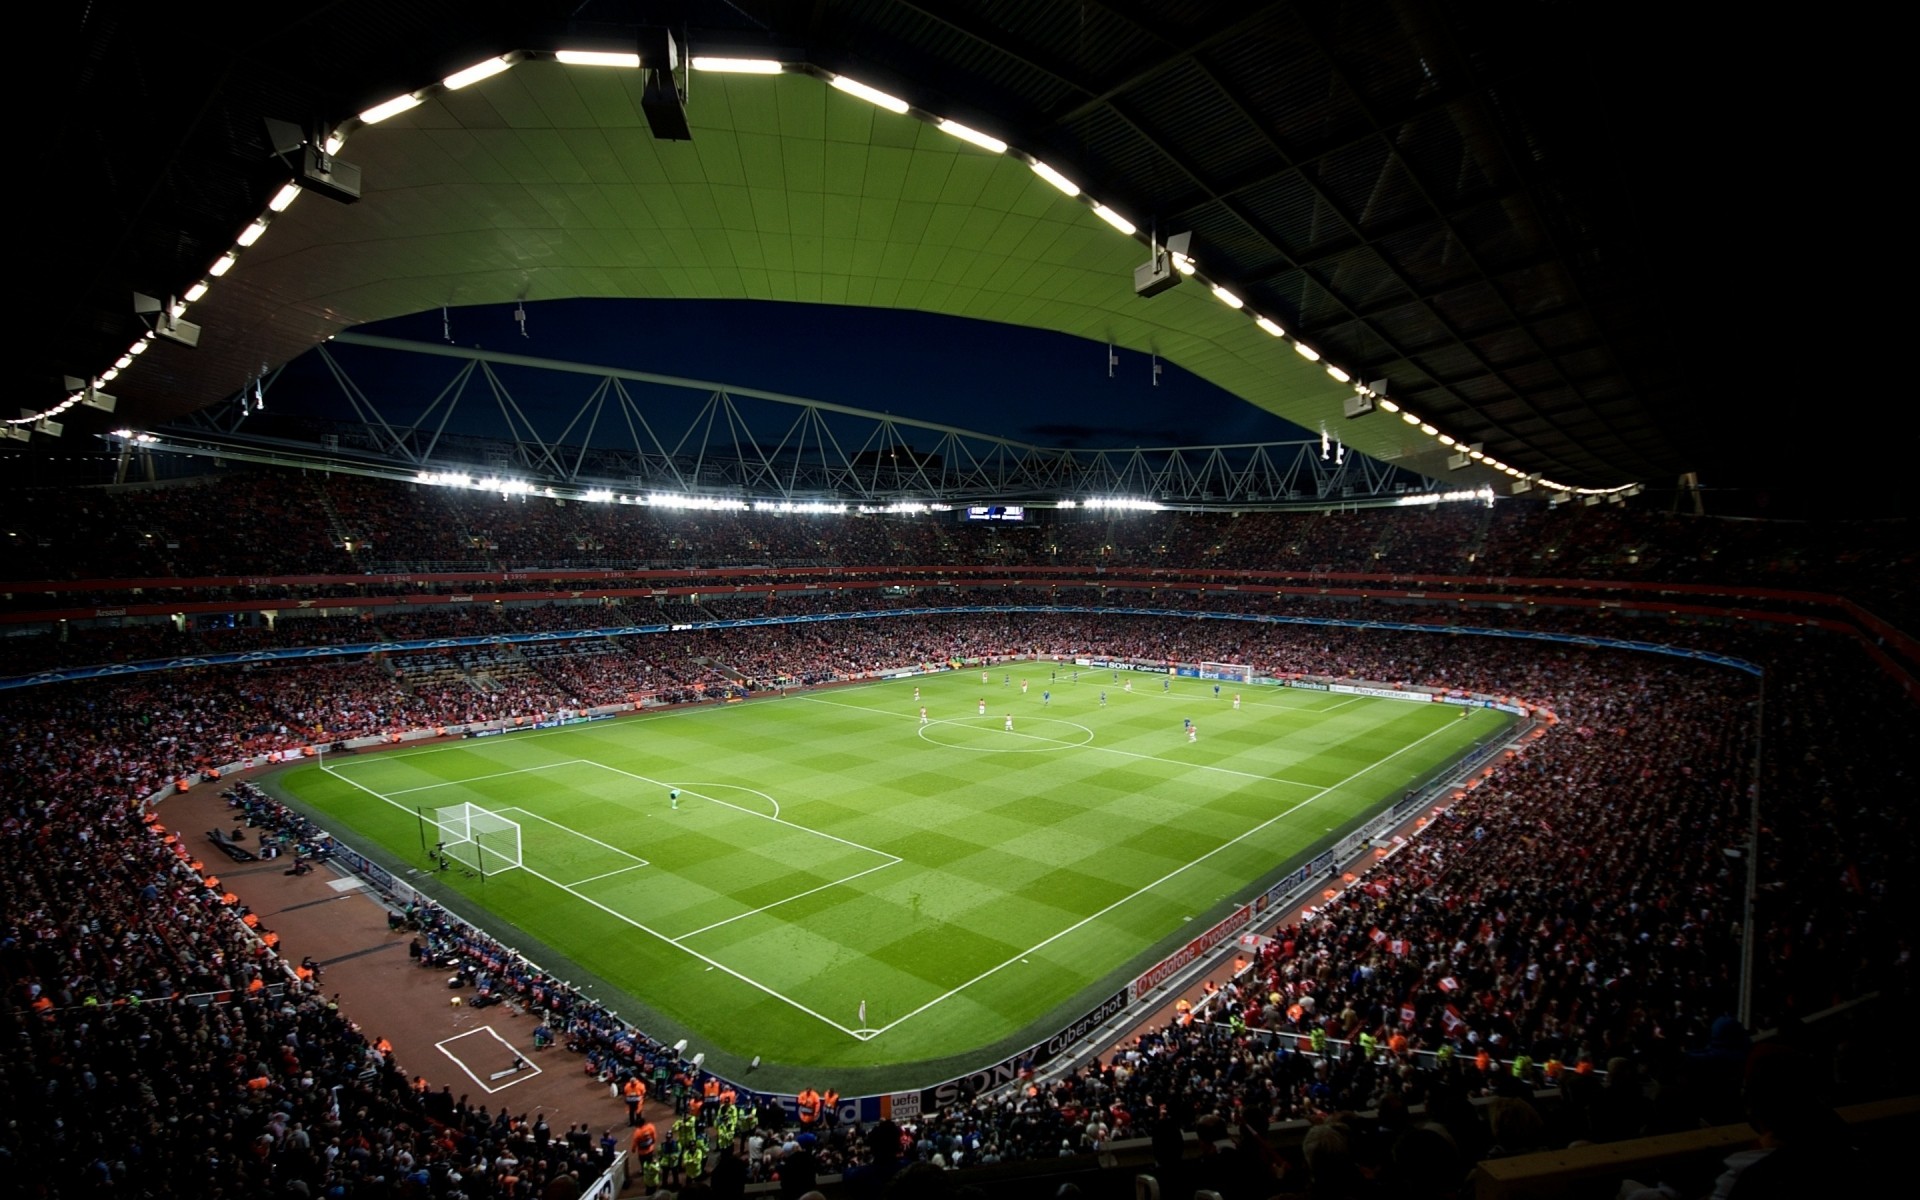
<point>967,886</point>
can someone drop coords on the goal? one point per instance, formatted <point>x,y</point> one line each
<point>1235,672</point>
<point>472,838</point>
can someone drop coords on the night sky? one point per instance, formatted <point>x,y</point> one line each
<point>1023,384</point>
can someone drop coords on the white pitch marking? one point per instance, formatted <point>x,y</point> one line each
<point>737,808</point>
<point>526,735</point>
<point>1050,743</point>
<point>1172,762</point>
<point>586,837</point>
<point>427,787</point>
<point>624,919</point>
<point>525,1073</point>
<point>605,875</point>
<point>788,900</point>
<point>1041,945</point>
<point>738,788</point>
<point>866,1034</point>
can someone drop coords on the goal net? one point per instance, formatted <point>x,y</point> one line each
<point>469,836</point>
<point>1228,671</point>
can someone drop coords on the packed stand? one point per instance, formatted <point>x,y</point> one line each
<point>1580,901</point>
<point>264,523</point>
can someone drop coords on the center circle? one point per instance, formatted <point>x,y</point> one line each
<point>988,735</point>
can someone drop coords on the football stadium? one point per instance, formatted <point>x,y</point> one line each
<point>860,598</point>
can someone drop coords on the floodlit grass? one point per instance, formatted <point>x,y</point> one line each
<point>971,885</point>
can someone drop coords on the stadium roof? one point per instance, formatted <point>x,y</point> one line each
<point>1453,198</point>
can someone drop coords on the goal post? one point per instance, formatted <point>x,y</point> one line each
<point>472,838</point>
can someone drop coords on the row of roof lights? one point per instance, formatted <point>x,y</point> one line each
<point>761,66</point>
<point>508,487</point>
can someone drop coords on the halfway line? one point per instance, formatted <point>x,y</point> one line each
<point>1171,762</point>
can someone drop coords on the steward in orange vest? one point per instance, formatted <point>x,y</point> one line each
<point>809,1103</point>
<point>646,1140</point>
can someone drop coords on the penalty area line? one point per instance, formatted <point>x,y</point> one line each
<point>788,900</point>
<point>821,833</point>
<point>605,875</point>
<point>428,787</point>
<point>624,919</point>
<point>585,837</point>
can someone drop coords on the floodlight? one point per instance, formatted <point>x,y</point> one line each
<point>872,95</point>
<point>1114,219</point>
<point>599,58</point>
<point>475,73</point>
<point>742,66</point>
<point>985,141</point>
<point>389,108</point>
<point>1054,177</point>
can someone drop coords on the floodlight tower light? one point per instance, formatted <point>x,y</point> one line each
<point>1160,272</point>
<point>166,319</point>
<point>315,167</point>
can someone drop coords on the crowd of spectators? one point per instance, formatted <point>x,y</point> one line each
<point>117,641</point>
<point>1579,908</point>
<point>260,524</point>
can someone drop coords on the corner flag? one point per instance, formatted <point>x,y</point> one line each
<point>863,1013</point>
